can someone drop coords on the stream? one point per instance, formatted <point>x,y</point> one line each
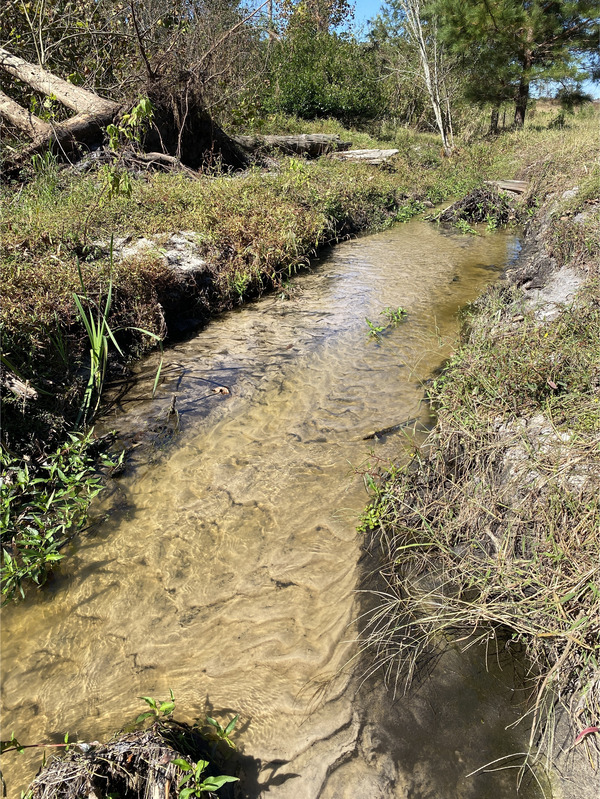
<point>227,565</point>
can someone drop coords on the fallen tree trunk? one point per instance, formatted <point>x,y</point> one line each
<point>182,127</point>
<point>516,186</point>
<point>22,119</point>
<point>94,113</point>
<point>311,145</point>
<point>73,97</point>
<point>375,157</point>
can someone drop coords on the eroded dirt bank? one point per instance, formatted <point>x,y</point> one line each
<point>502,504</point>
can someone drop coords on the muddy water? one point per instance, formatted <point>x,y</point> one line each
<point>227,567</point>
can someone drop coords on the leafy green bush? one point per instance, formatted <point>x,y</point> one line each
<point>321,74</point>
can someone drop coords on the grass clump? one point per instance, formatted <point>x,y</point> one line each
<point>492,534</point>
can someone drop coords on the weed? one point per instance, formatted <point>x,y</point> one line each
<point>100,334</point>
<point>393,315</point>
<point>465,227</point>
<point>42,508</point>
<point>375,331</point>
<point>157,709</point>
<point>197,784</point>
<point>222,733</point>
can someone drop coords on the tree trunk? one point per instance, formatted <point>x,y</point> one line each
<point>521,102</point>
<point>309,144</point>
<point>25,121</point>
<point>523,90</point>
<point>74,97</point>
<point>374,157</point>
<point>182,127</point>
<point>494,120</point>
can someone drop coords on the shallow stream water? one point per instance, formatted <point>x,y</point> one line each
<point>227,568</point>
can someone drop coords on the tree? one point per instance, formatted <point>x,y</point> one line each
<point>509,45</point>
<point>420,29</point>
<point>318,70</point>
<point>186,56</point>
<point>317,74</point>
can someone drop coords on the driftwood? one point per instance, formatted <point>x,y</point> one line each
<point>375,157</point>
<point>516,186</point>
<point>311,145</point>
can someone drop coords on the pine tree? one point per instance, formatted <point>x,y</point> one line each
<point>509,45</point>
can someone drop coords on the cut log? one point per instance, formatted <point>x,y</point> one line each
<point>518,186</point>
<point>74,97</point>
<point>375,157</point>
<point>311,145</point>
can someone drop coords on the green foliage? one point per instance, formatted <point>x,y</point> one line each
<point>393,315</point>
<point>94,318</point>
<point>41,508</point>
<point>197,785</point>
<point>464,227</point>
<point>11,743</point>
<point>129,130</point>
<point>157,709</point>
<point>318,74</point>
<point>510,45</point>
<point>221,733</point>
<point>131,126</point>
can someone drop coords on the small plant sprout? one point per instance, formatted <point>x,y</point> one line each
<point>394,315</point>
<point>196,784</point>
<point>222,733</point>
<point>465,227</point>
<point>157,709</point>
<point>375,331</point>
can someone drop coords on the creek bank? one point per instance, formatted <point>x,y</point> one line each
<point>503,500</point>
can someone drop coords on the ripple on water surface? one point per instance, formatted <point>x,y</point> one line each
<point>227,568</point>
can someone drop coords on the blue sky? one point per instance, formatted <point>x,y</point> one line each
<point>366,9</point>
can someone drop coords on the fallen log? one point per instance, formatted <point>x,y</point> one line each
<point>182,127</point>
<point>375,157</point>
<point>73,97</point>
<point>311,145</point>
<point>24,120</point>
<point>516,186</point>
